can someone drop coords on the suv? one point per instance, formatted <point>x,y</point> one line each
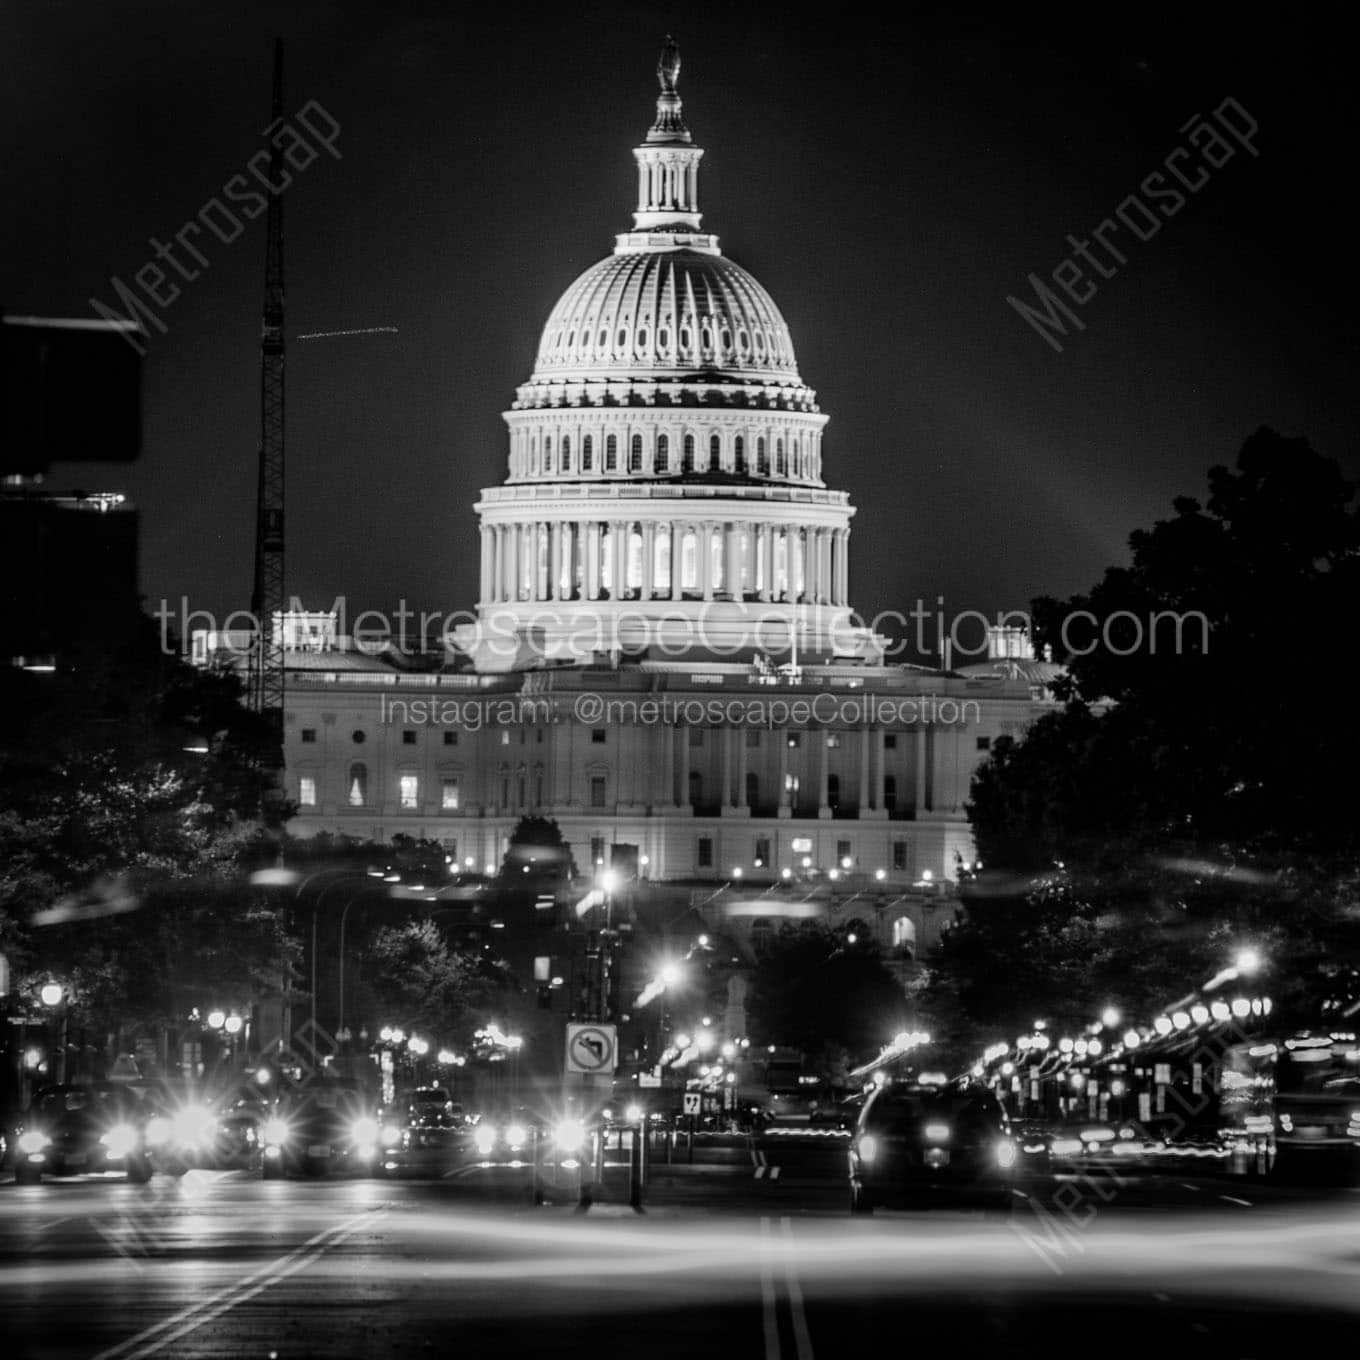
<point>94,1127</point>
<point>917,1143</point>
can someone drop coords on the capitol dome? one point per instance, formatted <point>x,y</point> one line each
<point>664,484</point>
<point>666,313</point>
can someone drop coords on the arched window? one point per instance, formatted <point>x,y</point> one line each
<point>762,459</point>
<point>687,465</point>
<point>611,453</point>
<point>566,453</point>
<point>661,462</point>
<point>358,785</point>
<point>714,451</point>
<point>780,467</point>
<point>635,454</point>
<point>588,453</point>
<point>739,455</point>
<point>547,454</point>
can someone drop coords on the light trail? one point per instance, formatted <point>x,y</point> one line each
<point>332,335</point>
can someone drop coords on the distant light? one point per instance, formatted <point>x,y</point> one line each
<point>1181,1020</point>
<point>927,874</point>
<point>644,861</point>
<point>233,1024</point>
<point>1110,1017</point>
<point>446,1057</point>
<point>786,873</point>
<point>703,941</point>
<point>807,861</point>
<point>51,994</point>
<point>1065,1045</point>
<point>199,748</point>
<point>833,874</point>
<point>1162,1024</point>
<point>671,973</point>
<point>1132,1038</point>
<point>469,862</point>
<point>846,862</point>
<point>682,1041</point>
<point>1248,961</point>
<point>1199,1013</point>
<point>609,880</point>
<point>736,872</point>
<point>880,874</point>
<point>852,938</point>
<point>216,1019</point>
<point>490,870</point>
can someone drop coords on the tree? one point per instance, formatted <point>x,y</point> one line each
<point>538,854</point>
<point>1171,808</point>
<point>810,990</point>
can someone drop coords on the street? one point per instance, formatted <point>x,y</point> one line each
<point>723,1261</point>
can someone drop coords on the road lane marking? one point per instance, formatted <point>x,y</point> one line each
<point>56,1223</point>
<point>769,1319</point>
<point>1185,1185</point>
<point>774,1173</point>
<point>206,1310</point>
<point>1232,1199</point>
<point>802,1339</point>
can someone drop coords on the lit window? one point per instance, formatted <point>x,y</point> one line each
<point>448,798</point>
<point>358,785</point>
<point>307,791</point>
<point>408,788</point>
<point>833,740</point>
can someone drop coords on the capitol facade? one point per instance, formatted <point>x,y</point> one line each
<point>665,658</point>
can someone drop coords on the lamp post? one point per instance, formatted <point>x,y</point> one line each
<point>53,996</point>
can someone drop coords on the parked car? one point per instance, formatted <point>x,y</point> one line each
<point>328,1125</point>
<point>94,1127</point>
<point>917,1144</point>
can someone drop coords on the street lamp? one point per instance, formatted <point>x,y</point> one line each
<point>51,994</point>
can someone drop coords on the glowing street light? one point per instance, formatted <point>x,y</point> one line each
<point>1110,1017</point>
<point>1247,962</point>
<point>216,1019</point>
<point>51,994</point>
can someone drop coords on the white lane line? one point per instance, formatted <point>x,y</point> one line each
<point>1232,1199</point>
<point>190,1319</point>
<point>1185,1185</point>
<point>56,1223</point>
<point>1019,1193</point>
<point>769,1319</point>
<point>774,1173</point>
<point>802,1339</point>
<point>760,1171</point>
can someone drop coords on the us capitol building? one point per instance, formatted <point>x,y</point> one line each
<point>664,658</point>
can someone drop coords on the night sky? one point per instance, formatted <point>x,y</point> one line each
<point>889,177</point>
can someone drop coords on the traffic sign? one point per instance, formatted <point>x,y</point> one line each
<point>693,1102</point>
<point>592,1049</point>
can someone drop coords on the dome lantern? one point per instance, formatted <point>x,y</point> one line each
<point>667,213</point>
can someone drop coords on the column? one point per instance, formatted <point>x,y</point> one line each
<point>705,556</point>
<point>619,532</point>
<point>739,736</point>
<point>592,560</point>
<point>555,562</point>
<point>648,559</point>
<point>824,587</point>
<point>727,799</point>
<point>682,735</point>
<point>864,803</point>
<point>876,775</point>
<point>494,586</point>
<point>485,582</point>
<point>732,561</point>
<point>677,545</point>
<point>823,779</point>
<point>667,798</point>
<point>767,549</point>
<point>543,562</point>
<point>782,737</point>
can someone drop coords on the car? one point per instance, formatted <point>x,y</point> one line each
<point>428,1132</point>
<point>916,1144</point>
<point>327,1125</point>
<point>96,1127</point>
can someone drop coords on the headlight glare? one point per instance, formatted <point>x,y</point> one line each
<point>364,1130</point>
<point>570,1135</point>
<point>33,1141</point>
<point>867,1147</point>
<point>120,1140</point>
<point>276,1131</point>
<point>937,1133</point>
<point>484,1138</point>
<point>516,1135</point>
<point>1005,1154</point>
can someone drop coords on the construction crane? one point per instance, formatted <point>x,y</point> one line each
<point>267,598</point>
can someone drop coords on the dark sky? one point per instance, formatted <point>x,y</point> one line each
<point>890,177</point>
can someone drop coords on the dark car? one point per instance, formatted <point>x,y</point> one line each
<point>428,1132</point>
<point>327,1125</point>
<point>916,1144</point>
<point>77,1128</point>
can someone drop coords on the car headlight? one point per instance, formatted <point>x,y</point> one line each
<point>391,1134</point>
<point>364,1130</point>
<point>484,1138</point>
<point>867,1148</point>
<point>1005,1154</point>
<point>570,1135</point>
<point>120,1140</point>
<point>193,1126</point>
<point>516,1135</point>
<point>937,1133</point>
<point>157,1131</point>
<point>33,1141</point>
<point>1065,1147</point>
<point>276,1131</point>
